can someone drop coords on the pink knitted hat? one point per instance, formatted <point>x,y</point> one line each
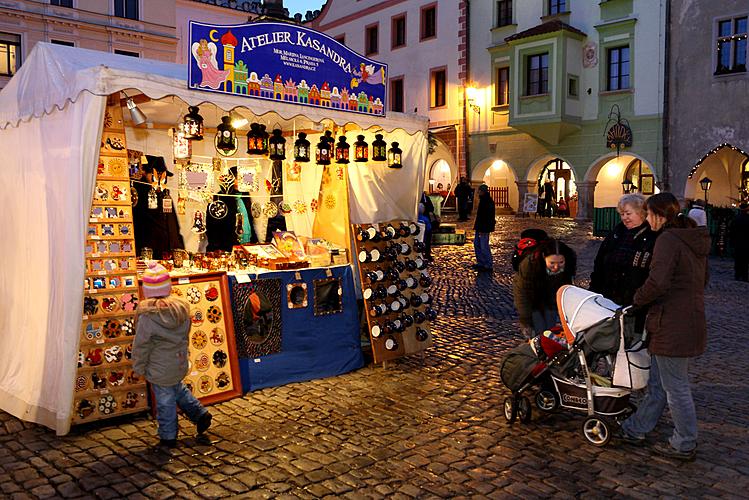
<point>156,281</point>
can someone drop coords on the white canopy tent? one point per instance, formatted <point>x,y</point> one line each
<point>51,116</point>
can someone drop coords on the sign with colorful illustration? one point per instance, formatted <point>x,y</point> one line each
<point>285,62</point>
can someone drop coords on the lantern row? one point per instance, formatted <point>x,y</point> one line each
<point>259,142</point>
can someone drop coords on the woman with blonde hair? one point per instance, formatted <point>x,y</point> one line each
<point>623,260</point>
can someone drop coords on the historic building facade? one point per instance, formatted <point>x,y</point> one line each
<point>708,100</point>
<point>549,79</point>
<point>424,43</point>
<point>130,27</point>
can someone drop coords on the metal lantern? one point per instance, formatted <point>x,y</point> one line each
<point>277,145</point>
<point>226,137</point>
<point>379,148</point>
<point>706,183</point>
<point>627,186</point>
<point>342,150</point>
<point>322,155</point>
<point>301,148</point>
<point>193,124</point>
<point>182,147</point>
<point>257,140</point>
<point>361,149</point>
<point>394,156</point>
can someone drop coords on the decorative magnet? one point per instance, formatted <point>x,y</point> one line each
<point>218,209</point>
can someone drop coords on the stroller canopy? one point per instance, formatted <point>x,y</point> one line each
<point>579,309</point>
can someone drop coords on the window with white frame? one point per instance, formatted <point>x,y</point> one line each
<point>537,76</point>
<point>557,7</point>
<point>618,68</point>
<point>10,53</point>
<point>503,86</point>
<point>731,46</point>
<point>126,8</point>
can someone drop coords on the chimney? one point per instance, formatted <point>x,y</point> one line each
<point>274,8</point>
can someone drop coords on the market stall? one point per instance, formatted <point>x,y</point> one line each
<point>70,212</point>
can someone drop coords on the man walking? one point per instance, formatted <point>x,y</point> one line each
<point>462,193</point>
<point>483,226</point>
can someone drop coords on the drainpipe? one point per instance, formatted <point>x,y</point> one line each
<point>466,149</point>
<point>666,93</point>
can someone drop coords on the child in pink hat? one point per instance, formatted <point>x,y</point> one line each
<point>160,353</point>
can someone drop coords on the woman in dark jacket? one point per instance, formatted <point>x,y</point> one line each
<point>484,225</point>
<point>535,285</point>
<point>623,260</point>
<point>675,324</point>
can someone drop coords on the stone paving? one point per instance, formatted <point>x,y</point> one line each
<point>424,427</point>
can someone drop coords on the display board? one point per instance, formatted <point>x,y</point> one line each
<point>214,368</point>
<point>394,282</point>
<point>105,384</point>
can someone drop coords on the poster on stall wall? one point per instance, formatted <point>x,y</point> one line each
<point>301,191</point>
<point>331,207</point>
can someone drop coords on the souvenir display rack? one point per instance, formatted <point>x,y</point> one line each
<point>392,271</point>
<point>214,365</point>
<point>106,385</point>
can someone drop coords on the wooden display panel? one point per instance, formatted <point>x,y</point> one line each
<point>214,364</point>
<point>105,384</point>
<point>389,262</point>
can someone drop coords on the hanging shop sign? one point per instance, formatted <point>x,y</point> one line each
<point>284,62</point>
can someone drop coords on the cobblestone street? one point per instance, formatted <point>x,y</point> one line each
<point>423,427</point>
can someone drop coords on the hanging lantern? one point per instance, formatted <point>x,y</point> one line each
<point>226,137</point>
<point>254,140</point>
<point>378,148</point>
<point>263,140</point>
<point>301,148</point>
<point>322,155</point>
<point>394,156</point>
<point>277,145</point>
<point>361,149</point>
<point>341,150</point>
<point>193,124</point>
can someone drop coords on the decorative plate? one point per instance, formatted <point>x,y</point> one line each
<point>270,209</point>
<point>107,404</point>
<point>205,384</point>
<point>128,327</point>
<point>222,380</point>
<point>112,329</point>
<point>214,314</point>
<point>129,301</point>
<point>197,318</point>
<point>199,339</point>
<point>130,400</point>
<point>218,209</point>
<point>109,304</point>
<point>219,359</point>
<point>202,362</point>
<point>217,336</point>
<point>81,383</point>
<point>211,293</point>
<point>284,208</point>
<point>92,332</point>
<point>116,378</point>
<point>300,207</point>
<point>256,210</point>
<point>113,354</point>
<point>85,408</point>
<point>194,295</point>
<point>117,167</point>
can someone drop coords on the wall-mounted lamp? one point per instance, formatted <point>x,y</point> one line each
<point>471,94</point>
<point>136,115</point>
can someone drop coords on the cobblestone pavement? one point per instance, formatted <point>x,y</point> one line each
<point>423,427</point>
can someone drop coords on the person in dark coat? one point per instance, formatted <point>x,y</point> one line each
<point>156,228</point>
<point>740,243</point>
<point>484,225</point>
<point>462,193</point>
<point>675,324</point>
<point>549,198</point>
<point>623,260</point>
<point>535,285</point>
<point>429,218</point>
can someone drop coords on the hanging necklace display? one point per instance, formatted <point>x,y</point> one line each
<point>166,202</point>
<point>218,209</point>
<point>198,226</point>
<point>239,226</point>
<point>133,194</point>
<point>153,199</point>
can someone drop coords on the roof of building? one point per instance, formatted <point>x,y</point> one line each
<point>543,28</point>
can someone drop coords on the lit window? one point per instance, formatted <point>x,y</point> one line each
<point>731,56</point>
<point>10,54</point>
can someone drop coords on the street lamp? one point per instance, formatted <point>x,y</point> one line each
<point>471,94</point>
<point>706,183</point>
<point>627,186</point>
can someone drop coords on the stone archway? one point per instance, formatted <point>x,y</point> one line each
<point>609,171</point>
<point>498,174</point>
<point>440,158</point>
<point>728,169</point>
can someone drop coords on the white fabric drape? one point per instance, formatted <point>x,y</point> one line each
<point>48,172</point>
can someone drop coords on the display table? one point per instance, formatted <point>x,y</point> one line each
<point>314,342</point>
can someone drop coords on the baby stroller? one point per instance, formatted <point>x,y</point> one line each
<point>590,364</point>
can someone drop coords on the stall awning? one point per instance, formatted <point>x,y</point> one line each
<point>54,75</point>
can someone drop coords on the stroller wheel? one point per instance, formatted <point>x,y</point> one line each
<point>524,410</point>
<point>546,400</point>
<point>597,431</point>
<point>511,409</point>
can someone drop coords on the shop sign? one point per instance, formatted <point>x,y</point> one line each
<point>285,62</point>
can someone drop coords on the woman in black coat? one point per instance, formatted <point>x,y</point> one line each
<point>623,260</point>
